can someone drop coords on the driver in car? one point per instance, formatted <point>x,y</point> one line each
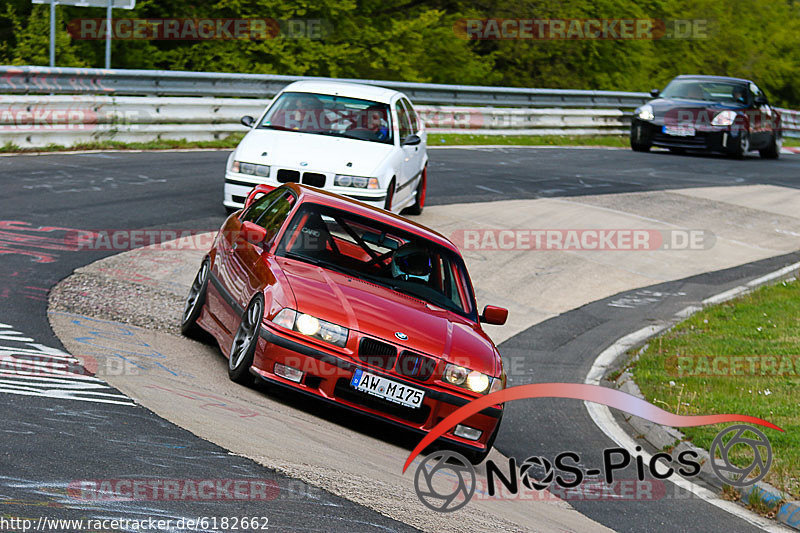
<point>738,94</point>
<point>411,263</point>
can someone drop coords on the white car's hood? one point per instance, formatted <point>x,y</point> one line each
<point>322,153</point>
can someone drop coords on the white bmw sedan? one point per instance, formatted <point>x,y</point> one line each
<point>361,141</point>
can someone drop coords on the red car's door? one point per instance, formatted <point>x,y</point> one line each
<point>247,257</point>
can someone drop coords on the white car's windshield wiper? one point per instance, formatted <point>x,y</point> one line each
<point>277,127</point>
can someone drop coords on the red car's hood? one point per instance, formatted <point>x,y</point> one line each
<point>378,311</point>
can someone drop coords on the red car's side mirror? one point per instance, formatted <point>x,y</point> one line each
<point>494,315</point>
<point>253,233</point>
<point>257,192</point>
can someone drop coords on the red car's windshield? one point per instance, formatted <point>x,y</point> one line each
<point>364,248</point>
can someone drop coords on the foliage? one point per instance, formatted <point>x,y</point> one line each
<point>417,40</point>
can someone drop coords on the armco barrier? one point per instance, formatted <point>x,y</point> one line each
<point>65,106</point>
<point>30,121</point>
<point>47,80</point>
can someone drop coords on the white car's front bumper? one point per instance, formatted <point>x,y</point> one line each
<point>238,186</point>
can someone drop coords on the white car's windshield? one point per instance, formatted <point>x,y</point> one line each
<point>325,114</point>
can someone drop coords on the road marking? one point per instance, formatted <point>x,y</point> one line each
<point>603,419</point>
<point>32,369</point>
<point>488,189</point>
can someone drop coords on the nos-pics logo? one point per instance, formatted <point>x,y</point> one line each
<point>446,481</point>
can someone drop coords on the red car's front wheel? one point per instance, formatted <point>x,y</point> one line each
<point>245,341</point>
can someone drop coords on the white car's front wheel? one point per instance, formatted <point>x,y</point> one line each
<point>389,195</point>
<point>419,196</point>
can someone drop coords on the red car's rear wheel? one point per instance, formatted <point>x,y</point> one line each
<point>195,300</point>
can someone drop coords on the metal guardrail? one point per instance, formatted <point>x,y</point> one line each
<point>66,106</point>
<point>31,121</point>
<point>46,80</point>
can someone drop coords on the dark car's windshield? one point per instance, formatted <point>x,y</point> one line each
<point>727,92</point>
<point>379,253</point>
<point>326,114</point>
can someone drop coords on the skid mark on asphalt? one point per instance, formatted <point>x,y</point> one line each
<point>120,347</point>
<point>31,369</point>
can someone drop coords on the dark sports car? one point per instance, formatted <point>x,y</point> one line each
<point>708,113</point>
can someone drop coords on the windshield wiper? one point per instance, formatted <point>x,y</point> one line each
<point>276,127</point>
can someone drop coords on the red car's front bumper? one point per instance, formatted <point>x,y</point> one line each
<point>327,375</point>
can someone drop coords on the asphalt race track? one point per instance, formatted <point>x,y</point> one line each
<point>50,442</point>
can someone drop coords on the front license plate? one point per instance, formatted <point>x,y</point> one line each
<point>387,389</point>
<point>679,131</point>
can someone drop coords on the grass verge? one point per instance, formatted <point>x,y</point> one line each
<point>465,139</point>
<point>741,357</point>
<point>434,139</point>
<point>162,144</point>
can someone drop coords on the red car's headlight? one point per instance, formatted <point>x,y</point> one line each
<point>471,379</point>
<point>312,326</point>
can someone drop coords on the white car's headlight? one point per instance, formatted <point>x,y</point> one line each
<point>312,326</point>
<point>645,112</point>
<point>471,379</point>
<point>250,168</point>
<point>359,182</point>
<point>724,118</point>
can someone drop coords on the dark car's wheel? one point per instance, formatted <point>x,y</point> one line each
<point>389,195</point>
<point>744,145</point>
<point>773,150</point>
<point>637,143</point>
<point>195,301</point>
<point>245,341</point>
<point>419,201</point>
<point>230,210</point>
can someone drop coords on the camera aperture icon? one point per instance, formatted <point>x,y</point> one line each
<point>740,435</point>
<point>445,481</point>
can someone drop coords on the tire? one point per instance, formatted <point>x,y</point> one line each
<point>245,341</point>
<point>389,195</point>
<point>773,150</point>
<point>743,147</point>
<point>230,210</point>
<point>636,144</point>
<point>419,200</point>
<point>195,301</point>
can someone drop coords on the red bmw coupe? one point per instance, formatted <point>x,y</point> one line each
<point>352,305</point>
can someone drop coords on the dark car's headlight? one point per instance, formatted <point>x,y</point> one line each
<point>645,112</point>
<point>312,326</point>
<point>250,168</point>
<point>359,182</point>
<point>471,379</point>
<point>724,118</point>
